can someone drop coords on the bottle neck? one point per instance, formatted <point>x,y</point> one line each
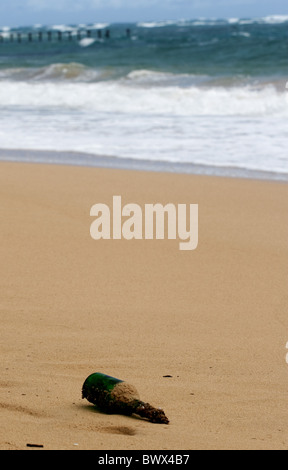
<point>154,415</point>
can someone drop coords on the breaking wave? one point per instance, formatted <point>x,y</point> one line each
<point>117,97</point>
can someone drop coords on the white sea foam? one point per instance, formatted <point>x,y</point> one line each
<point>116,97</point>
<point>272,19</point>
<point>86,42</point>
<point>63,28</point>
<point>149,77</point>
<point>100,25</point>
<point>237,126</point>
<point>5,34</point>
<point>5,29</point>
<point>276,19</point>
<point>157,24</point>
<point>258,144</point>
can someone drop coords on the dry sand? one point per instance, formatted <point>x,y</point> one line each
<point>215,319</point>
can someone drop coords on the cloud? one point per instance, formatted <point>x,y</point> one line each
<point>91,4</point>
<point>113,4</point>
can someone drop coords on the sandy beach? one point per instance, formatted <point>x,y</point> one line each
<point>214,319</point>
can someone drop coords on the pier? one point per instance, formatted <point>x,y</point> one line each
<point>57,35</point>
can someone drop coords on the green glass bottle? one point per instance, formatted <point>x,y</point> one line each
<point>115,396</point>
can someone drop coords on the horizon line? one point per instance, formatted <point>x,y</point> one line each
<point>283,17</point>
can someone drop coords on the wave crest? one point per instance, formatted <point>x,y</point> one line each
<point>115,97</point>
<point>60,71</point>
<point>68,72</point>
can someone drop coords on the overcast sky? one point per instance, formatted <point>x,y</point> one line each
<point>30,12</point>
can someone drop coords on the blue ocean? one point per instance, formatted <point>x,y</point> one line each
<point>206,96</point>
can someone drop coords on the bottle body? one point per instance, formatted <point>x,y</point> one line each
<point>109,394</point>
<point>115,396</point>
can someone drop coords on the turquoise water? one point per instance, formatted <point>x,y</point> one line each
<point>215,48</point>
<point>201,92</point>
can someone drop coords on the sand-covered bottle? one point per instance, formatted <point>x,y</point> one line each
<point>115,396</point>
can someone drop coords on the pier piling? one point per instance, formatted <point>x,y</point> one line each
<point>57,35</point>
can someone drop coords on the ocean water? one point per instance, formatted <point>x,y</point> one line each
<point>200,95</point>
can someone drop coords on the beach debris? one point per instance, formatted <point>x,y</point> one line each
<point>167,376</point>
<point>38,446</point>
<point>114,396</point>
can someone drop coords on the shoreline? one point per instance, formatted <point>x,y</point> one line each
<point>118,163</point>
<point>201,334</point>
